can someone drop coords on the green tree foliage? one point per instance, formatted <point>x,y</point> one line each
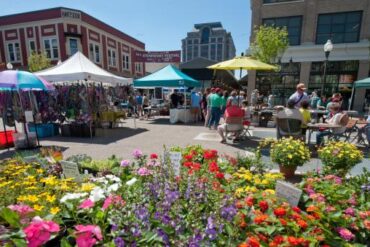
<point>38,61</point>
<point>269,43</point>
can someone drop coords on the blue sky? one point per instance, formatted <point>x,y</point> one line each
<point>160,24</point>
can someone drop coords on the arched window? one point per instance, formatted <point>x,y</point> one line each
<point>205,35</point>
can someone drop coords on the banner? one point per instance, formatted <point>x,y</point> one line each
<point>158,56</point>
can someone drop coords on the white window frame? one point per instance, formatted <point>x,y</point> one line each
<point>69,45</point>
<point>126,61</point>
<point>50,39</point>
<point>138,67</point>
<point>112,58</point>
<point>92,55</point>
<point>29,46</point>
<point>17,52</point>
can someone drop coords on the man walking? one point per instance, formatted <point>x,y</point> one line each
<point>215,104</point>
<point>299,96</point>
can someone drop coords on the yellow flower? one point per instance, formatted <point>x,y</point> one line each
<point>51,180</point>
<point>31,188</point>
<point>38,207</point>
<point>238,192</point>
<point>3,184</point>
<point>270,191</point>
<point>40,171</point>
<point>290,156</point>
<point>87,187</point>
<point>50,198</point>
<point>32,198</point>
<point>54,210</point>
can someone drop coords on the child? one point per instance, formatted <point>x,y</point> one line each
<point>306,116</point>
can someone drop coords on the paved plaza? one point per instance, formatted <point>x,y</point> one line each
<point>151,136</point>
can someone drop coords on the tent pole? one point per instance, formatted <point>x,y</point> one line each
<point>24,120</point>
<point>352,95</point>
<point>34,119</point>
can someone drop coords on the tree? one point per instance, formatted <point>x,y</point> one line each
<point>269,43</point>
<point>38,61</point>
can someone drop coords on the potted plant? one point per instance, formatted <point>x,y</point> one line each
<point>289,153</point>
<point>339,157</point>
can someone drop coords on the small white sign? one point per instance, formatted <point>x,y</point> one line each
<point>29,116</point>
<point>30,159</point>
<point>289,192</point>
<point>70,170</point>
<point>175,158</point>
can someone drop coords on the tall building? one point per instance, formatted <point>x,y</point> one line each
<point>210,41</point>
<point>310,23</point>
<point>60,32</point>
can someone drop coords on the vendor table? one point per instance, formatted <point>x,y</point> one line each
<point>180,115</point>
<point>315,127</point>
<point>111,116</point>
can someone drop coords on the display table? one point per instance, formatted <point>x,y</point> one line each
<point>180,115</point>
<point>111,116</point>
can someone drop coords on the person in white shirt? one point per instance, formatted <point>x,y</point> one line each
<point>290,112</point>
<point>299,96</point>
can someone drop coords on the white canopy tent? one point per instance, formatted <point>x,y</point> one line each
<point>80,68</point>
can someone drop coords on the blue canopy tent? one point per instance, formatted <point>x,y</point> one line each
<point>364,83</point>
<point>169,76</point>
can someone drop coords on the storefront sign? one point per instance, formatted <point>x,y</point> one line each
<point>289,192</point>
<point>71,14</point>
<point>70,170</point>
<point>158,56</point>
<point>175,158</point>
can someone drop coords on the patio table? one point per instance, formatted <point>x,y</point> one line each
<point>314,127</point>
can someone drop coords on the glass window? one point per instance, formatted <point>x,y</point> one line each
<point>125,61</point>
<point>213,40</point>
<point>220,40</point>
<point>31,46</point>
<point>14,52</point>
<point>339,27</point>
<point>112,58</point>
<point>213,52</point>
<point>94,52</point>
<point>205,35</point>
<point>138,67</point>
<point>196,51</point>
<point>190,41</point>
<point>196,41</point>
<point>204,51</point>
<point>219,52</point>
<point>51,48</point>
<point>293,25</point>
<point>73,46</point>
<point>189,53</point>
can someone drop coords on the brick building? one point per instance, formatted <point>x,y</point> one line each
<point>310,23</point>
<point>60,32</point>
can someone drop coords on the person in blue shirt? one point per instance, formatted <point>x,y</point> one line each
<point>139,103</point>
<point>195,105</point>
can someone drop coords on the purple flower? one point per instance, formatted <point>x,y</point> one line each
<point>164,237</point>
<point>228,212</point>
<point>142,213</point>
<point>125,163</point>
<point>195,240</point>
<point>350,211</point>
<point>137,153</point>
<point>119,242</point>
<point>211,229</point>
<point>345,234</point>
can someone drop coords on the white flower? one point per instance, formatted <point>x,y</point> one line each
<point>101,180</point>
<point>97,194</point>
<point>131,181</point>
<point>72,196</point>
<point>113,187</point>
<point>113,178</point>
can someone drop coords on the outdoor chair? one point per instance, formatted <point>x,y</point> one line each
<point>234,126</point>
<point>367,133</point>
<point>345,135</point>
<point>246,130</point>
<point>287,127</point>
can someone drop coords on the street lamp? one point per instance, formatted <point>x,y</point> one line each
<point>328,47</point>
<point>9,66</point>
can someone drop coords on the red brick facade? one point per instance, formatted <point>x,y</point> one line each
<point>64,26</point>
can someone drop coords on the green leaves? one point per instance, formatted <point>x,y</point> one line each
<point>10,217</point>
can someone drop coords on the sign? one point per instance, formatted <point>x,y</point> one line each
<point>29,116</point>
<point>30,159</point>
<point>289,192</point>
<point>71,14</point>
<point>158,56</point>
<point>175,158</point>
<point>70,170</point>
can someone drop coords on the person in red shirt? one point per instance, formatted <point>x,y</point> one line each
<point>233,122</point>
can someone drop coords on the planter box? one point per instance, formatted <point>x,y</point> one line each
<point>9,135</point>
<point>43,130</point>
<point>20,140</point>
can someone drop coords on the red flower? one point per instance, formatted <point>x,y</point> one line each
<point>243,224</point>
<point>260,218</point>
<point>188,157</point>
<point>253,241</point>
<point>264,206</point>
<point>302,224</point>
<point>188,164</point>
<point>243,245</point>
<point>293,241</point>
<point>239,204</point>
<point>262,237</point>
<point>278,239</point>
<point>153,156</point>
<point>213,167</point>
<point>296,216</point>
<point>193,152</point>
<point>220,175</point>
<point>196,166</point>
<point>279,212</point>
<point>296,209</point>
<point>216,185</point>
<point>283,222</point>
<point>210,154</point>
<point>249,201</point>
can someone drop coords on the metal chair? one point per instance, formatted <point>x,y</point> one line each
<point>287,127</point>
<point>346,134</point>
<point>234,125</point>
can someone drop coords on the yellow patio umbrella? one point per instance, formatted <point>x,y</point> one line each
<point>242,62</point>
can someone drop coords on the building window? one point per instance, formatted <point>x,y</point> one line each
<point>213,52</point>
<point>196,41</point>
<point>220,40</point>
<point>219,52</point>
<point>73,46</point>
<point>205,35</point>
<point>196,52</point>
<point>278,1</point>
<point>339,27</point>
<point>31,46</point>
<point>125,61</point>
<point>204,51</point>
<point>14,52</point>
<point>189,53</point>
<point>112,58</point>
<point>94,50</point>
<point>138,67</point>
<point>51,48</point>
<point>213,40</point>
<point>190,41</point>
<point>293,24</point>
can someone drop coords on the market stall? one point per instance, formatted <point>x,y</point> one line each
<point>170,77</point>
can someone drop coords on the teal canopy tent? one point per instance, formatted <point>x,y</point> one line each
<point>169,76</point>
<point>364,83</point>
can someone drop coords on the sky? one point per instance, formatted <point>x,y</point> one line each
<point>160,24</point>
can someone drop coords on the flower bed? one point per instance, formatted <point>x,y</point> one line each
<point>214,201</point>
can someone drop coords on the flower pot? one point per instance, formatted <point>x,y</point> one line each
<point>287,171</point>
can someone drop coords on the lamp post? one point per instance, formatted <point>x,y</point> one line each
<point>9,66</point>
<point>328,47</point>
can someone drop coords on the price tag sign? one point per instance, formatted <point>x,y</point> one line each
<point>29,116</point>
<point>175,158</point>
<point>30,159</point>
<point>70,170</point>
<point>289,192</point>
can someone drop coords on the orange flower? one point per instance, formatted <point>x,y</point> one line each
<point>279,212</point>
<point>367,224</point>
<point>283,222</point>
<point>312,208</point>
<point>293,241</point>
<point>243,224</point>
<point>260,218</point>
<point>302,224</point>
<point>243,245</point>
<point>253,242</point>
<point>249,201</point>
<point>239,204</point>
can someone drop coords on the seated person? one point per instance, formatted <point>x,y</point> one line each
<point>306,116</point>
<point>233,121</point>
<point>247,111</point>
<point>289,112</point>
<point>336,119</point>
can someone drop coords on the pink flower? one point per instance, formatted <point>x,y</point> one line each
<point>143,171</point>
<point>115,200</point>
<point>350,211</point>
<point>87,204</point>
<point>125,163</point>
<point>345,234</point>
<point>87,236</point>
<point>330,209</point>
<point>39,232</point>
<point>21,209</point>
<point>352,200</point>
<point>137,153</point>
